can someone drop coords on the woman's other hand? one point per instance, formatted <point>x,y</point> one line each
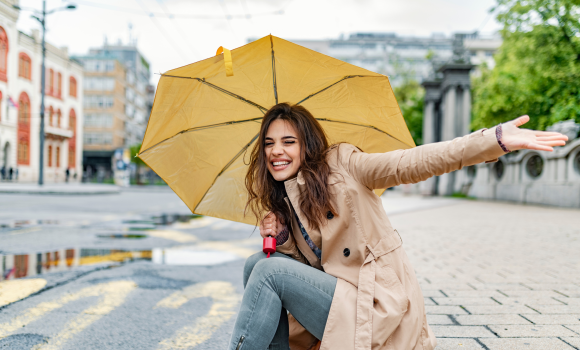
<point>270,226</point>
<point>515,138</point>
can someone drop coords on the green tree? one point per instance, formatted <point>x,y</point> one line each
<point>410,96</point>
<point>137,161</point>
<point>537,67</point>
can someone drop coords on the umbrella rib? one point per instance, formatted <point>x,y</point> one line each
<point>331,85</point>
<point>226,168</point>
<point>363,125</point>
<point>274,70</point>
<point>201,128</point>
<point>202,80</point>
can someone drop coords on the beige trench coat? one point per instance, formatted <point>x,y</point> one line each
<point>377,303</point>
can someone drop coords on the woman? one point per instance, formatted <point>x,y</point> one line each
<point>340,269</point>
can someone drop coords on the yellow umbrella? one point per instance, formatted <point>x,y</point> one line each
<point>206,115</point>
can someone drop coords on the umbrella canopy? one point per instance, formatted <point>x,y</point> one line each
<point>207,116</point>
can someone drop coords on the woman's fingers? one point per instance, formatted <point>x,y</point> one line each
<point>552,138</point>
<point>520,120</point>
<point>539,147</point>
<point>268,227</point>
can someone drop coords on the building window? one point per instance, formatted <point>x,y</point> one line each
<point>498,169</point>
<point>72,91</point>
<point>3,54</point>
<point>72,124</point>
<point>22,151</point>
<point>57,157</point>
<point>71,157</point>
<point>58,85</point>
<point>93,138</point>
<point>24,66</point>
<point>98,120</point>
<point>58,119</point>
<point>98,101</point>
<point>50,113</point>
<point>50,82</point>
<point>98,83</point>
<point>577,162</point>
<point>534,166</point>
<point>471,172</point>
<point>49,158</point>
<point>23,129</point>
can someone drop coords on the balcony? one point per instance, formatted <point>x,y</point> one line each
<point>53,132</point>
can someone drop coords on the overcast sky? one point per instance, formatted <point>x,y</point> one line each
<point>172,33</point>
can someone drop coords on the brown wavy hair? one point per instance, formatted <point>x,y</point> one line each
<point>267,194</point>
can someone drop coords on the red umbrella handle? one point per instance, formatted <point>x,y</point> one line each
<point>269,245</point>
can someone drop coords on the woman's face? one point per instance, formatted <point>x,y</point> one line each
<point>282,150</point>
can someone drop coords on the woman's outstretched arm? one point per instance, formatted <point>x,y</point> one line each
<point>383,170</point>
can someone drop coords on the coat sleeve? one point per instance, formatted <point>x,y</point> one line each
<point>384,170</point>
<point>289,248</point>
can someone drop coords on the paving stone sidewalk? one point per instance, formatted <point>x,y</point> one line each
<point>497,275</point>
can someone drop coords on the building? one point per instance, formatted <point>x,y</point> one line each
<point>402,57</point>
<point>532,177</point>
<point>20,100</point>
<point>116,105</point>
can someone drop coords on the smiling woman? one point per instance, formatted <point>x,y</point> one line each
<point>290,140</point>
<point>339,273</point>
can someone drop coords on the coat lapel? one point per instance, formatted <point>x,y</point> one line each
<point>292,201</point>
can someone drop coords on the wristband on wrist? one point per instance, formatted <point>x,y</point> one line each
<point>283,236</point>
<point>498,135</point>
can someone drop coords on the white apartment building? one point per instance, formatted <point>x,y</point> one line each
<point>396,56</point>
<point>20,100</point>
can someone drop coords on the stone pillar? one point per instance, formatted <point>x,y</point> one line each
<point>466,110</point>
<point>429,122</point>
<point>448,127</point>
<point>456,117</point>
<point>446,181</point>
<point>430,135</point>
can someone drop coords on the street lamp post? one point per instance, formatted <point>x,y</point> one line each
<point>41,17</point>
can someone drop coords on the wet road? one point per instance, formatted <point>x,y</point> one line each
<point>126,271</point>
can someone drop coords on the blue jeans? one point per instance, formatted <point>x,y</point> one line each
<point>273,286</point>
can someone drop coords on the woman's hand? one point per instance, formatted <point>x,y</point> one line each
<point>515,138</point>
<point>270,226</point>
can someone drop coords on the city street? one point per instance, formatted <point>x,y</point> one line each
<point>136,270</point>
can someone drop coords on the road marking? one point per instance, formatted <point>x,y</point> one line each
<point>112,295</point>
<point>173,235</point>
<point>221,225</point>
<point>14,290</point>
<point>225,300</point>
<point>194,223</point>
<point>24,230</point>
<point>228,247</point>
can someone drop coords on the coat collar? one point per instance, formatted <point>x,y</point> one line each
<point>299,179</point>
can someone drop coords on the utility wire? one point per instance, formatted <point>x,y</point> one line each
<point>171,15</point>
<point>179,29</point>
<point>167,36</point>
<point>228,18</point>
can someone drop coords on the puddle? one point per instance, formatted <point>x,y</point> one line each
<point>122,235</point>
<point>169,219</point>
<point>26,223</point>
<point>13,266</point>
<point>191,257</point>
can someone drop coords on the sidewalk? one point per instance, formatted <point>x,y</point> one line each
<point>496,275</point>
<point>59,189</point>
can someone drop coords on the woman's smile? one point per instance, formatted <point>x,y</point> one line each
<point>280,164</point>
<point>282,150</point>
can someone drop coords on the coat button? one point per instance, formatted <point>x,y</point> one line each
<point>346,252</point>
<point>329,215</point>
